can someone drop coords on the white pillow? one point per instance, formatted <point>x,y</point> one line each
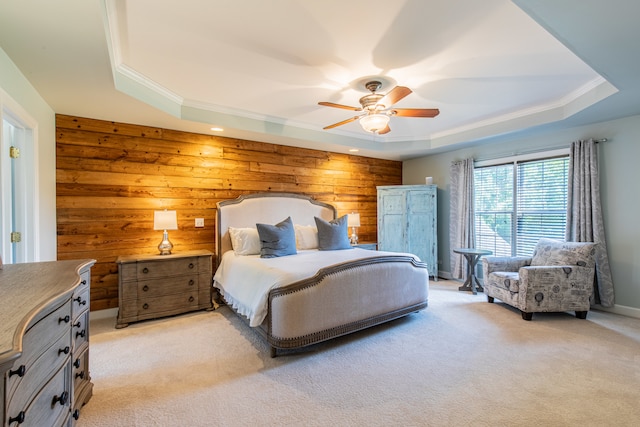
<point>306,236</point>
<point>245,241</point>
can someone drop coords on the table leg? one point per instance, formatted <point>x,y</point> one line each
<point>471,284</point>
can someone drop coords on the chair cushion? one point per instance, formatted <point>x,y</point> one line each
<point>555,252</point>
<point>507,280</point>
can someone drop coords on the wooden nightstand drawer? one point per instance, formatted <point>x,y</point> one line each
<point>167,305</point>
<point>170,267</point>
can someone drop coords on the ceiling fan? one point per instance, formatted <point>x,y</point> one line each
<point>377,109</point>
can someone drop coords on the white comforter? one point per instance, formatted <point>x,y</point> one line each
<point>245,281</point>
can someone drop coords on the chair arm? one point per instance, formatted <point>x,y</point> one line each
<point>572,281</point>
<point>513,264</point>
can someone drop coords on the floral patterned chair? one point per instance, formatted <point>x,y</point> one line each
<point>558,277</point>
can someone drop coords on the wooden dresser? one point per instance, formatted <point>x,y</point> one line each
<point>152,286</point>
<point>44,342</point>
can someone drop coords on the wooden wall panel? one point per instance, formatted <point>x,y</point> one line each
<point>112,176</point>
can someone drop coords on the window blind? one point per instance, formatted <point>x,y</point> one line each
<point>518,203</point>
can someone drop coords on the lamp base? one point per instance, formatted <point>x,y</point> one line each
<point>354,237</point>
<point>165,246</point>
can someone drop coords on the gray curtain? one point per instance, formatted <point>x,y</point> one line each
<point>584,214</point>
<point>461,214</point>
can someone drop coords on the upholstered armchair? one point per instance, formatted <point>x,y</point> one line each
<point>558,277</point>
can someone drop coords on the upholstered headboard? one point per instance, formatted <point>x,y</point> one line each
<point>266,208</point>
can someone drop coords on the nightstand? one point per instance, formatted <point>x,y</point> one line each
<point>152,286</point>
<point>372,246</point>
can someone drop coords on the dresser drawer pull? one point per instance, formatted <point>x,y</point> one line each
<point>64,319</point>
<point>80,375</point>
<point>19,419</point>
<point>65,350</point>
<point>145,306</point>
<point>80,301</point>
<point>77,324</point>
<point>77,363</point>
<point>191,266</point>
<point>145,288</point>
<point>145,270</point>
<point>76,414</point>
<point>191,282</point>
<point>19,372</point>
<point>191,299</point>
<point>84,282</point>
<point>62,399</point>
<point>82,333</point>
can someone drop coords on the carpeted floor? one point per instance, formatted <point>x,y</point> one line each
<point>460,362</point>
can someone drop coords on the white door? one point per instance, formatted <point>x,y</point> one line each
<point>17,190</point>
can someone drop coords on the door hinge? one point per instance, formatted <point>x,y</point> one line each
<point>14,152</point>
<point>16,237</point>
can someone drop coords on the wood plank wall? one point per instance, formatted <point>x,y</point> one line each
<point>112,176</point>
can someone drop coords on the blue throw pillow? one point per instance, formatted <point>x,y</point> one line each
<point>333,235</point>
<point>277,240</point>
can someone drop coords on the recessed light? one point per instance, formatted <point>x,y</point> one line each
<point>216,129</point>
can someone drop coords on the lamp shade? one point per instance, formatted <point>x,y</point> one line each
<point>353,220</point>
<point>165,220</point>
<point>374,122</point>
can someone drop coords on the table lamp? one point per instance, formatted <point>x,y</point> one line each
<point>165,220</point>
<point>353,221</point>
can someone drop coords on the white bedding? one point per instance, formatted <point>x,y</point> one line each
<point>245,281</point>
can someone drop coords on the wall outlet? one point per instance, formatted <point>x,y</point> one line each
<point>199,222</point>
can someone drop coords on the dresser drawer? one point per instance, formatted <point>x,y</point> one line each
<point>38,339</point>
<point>80,371</point>
<point>170,285</point>
<point>167,305</point>
<point>50,407</point>
<point>171,267</point>
<point>80,330</point>
<point>24,381</point>
<point>80,301</point>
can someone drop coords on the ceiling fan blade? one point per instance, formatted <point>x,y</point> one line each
<point>415,112</point>
<point>394,95</point>
<point>344,122</point>
<point>387,129</point>
<point>345,107</point>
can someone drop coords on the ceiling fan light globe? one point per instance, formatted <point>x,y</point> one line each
<point>374,122</point>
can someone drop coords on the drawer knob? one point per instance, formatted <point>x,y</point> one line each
<point>65,350</point>
<point>77,324</point>
<point>64,319</point>
<point>19,419</point>
<point>191,265</point>
<point>191,282</point>
<point>145,288</point>
<point>76,414</point>
<point>80,301</point>
<point>145,270</point>
<point>191,299</point>
<point>84,282</point>
<point>80,375</point>
<point>145,306</point>
<point>82,333</point>
<point>77,363</point>
<point>19,372</point>
<point>62,399</point>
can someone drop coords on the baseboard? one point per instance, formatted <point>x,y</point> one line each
<point>620,309</point>
<point>109,313</point>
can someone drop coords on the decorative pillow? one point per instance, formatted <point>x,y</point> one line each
<point>245,241</point>
<point>333,235</point>
<point>277,240</point>
<point>556,252</point>
<point>306,236</point>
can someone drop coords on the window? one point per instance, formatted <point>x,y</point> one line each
<point>519,202</point>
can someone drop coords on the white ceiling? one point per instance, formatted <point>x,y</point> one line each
<point>258,68</point>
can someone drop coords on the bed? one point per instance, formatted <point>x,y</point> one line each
<point>315,293</point>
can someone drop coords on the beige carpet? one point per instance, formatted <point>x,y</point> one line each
<point>461,362</point>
